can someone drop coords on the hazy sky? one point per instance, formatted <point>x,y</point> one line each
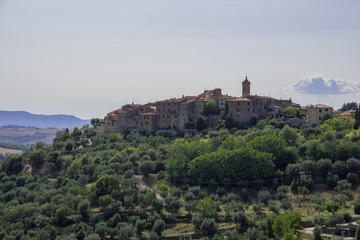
<point>87,58</point>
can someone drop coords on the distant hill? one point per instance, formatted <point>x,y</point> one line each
<point>22,118</point>
<point>13,137</point>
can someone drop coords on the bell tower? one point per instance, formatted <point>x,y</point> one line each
<point>246,88</point>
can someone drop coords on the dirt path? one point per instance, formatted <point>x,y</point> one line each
<point>144,185</point>
<point>311,229</point>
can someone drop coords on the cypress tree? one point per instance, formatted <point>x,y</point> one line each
<point>356,125</point>
<point>357,234</point>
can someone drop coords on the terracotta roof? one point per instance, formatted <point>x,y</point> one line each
<point>261,97</point>
<point>349,113</point>
<point>295,121</point>
<point>188,101</point>
<point>147,114</point>
<point>174,100</point>
<point>320,106</point>
<point>239,99</point>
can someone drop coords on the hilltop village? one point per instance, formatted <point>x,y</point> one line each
<point>181,113</point>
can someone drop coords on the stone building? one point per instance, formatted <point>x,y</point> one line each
<point>178,113</point>
<point>316,113</point>
<point>244,108</point>
<point>147,122</point>
<point>126,117</point>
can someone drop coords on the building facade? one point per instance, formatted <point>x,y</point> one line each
<point>180,113</point>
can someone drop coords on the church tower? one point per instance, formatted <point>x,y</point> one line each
<point>246,88</point>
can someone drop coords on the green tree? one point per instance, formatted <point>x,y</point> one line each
<point>209,226</point>
<point>288,134</point>
<point>241,219</point>
<point>200,123</point>
<point>234,165</point>
<point>348,106</point>
<point>84,209</point>
<point>157,205</point>
<point>332,207</point>
<point>62,216</point>
<point>140,226</point>
<point>270,144</point>
<point>317,233</point>
<point>147,167</point>
<point>286,223</point>
<point>357,234</point>
<point>357,207</point>
<point>159,226</point>
<point>210,108</point>
<point>13,165</point>
<point>338,124</point>
<point>207,208</point>
<point>37,158</point>
<point>106,184</point>
<point>289,112</point>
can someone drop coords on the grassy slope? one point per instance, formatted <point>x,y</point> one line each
<point>12,151</point>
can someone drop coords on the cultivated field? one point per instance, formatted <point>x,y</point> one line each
<point>4,151</point>
<point>27,135</point>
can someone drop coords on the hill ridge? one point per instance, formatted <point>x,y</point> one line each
<point>24,118</point>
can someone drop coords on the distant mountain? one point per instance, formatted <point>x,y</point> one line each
<point>26,119</point>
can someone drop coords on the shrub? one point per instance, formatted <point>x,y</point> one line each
<point>159,226</point>
<point>209,225</point>
<point>347,217</point>
<point>357,207</point>
<point>317,233</point>
<point>241,219</point>
<point>318,220</point>
<point>189,196</point>
<point>264,197</point>
<point>196,221</point>
<point>334,219</point>
<point>207,208</point>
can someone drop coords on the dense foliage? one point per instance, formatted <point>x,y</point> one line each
<point>256,183</point>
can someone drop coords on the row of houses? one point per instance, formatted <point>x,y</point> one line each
<point>179,113</point>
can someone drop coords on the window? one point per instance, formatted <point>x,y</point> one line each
<point>248,104</point>
<point>248,109</point>
<point>320,118</point>
<point>238,103</point>
<point>326,110</point>
<point>319,110</point>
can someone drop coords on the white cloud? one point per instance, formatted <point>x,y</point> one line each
<point>320,86</point>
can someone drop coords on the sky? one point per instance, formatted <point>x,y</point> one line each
<point>87,58</point>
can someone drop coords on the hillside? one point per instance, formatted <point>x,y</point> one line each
<point>26,136</point>
<point>26,119</point>
<point>217,185</point>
